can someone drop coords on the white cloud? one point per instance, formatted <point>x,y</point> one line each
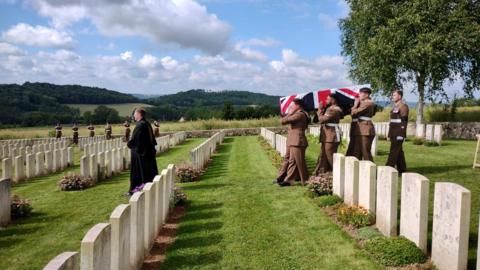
<point>38,36</point>
<point>327,20</point>
<point>148,61</point>
<point>243,53</point>
<point>6,48</point>
<point>182,22</point>
<point>127,55</point>
<point>266,42</point>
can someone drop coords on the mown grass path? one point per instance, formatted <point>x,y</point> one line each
<point>237,219</point>
<point>60,219</point>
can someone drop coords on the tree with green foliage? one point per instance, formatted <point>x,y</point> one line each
<point>103,114</point>
<point>228,112</point>
<point>391,43</point>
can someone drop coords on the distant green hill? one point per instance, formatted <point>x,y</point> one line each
<point>199,97</point>
<point>32,104</point>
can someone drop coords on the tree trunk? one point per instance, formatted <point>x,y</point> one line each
<point>421,97</point>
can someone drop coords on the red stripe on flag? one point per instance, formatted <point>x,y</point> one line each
<point>322,96</point>
<point>287,103</point>
<point>348,91</point>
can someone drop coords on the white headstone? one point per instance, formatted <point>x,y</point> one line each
<point>351,181</point>
<point>414,209</point>
<point>40,163</point>
<point>120,224</point>
<point>149,229</point>
<point>338,174</point>
<point>137,204</point>
<point>387,200</point>
<point>420,131</point>
<point>7,168</point>
<point>373,150</point>
<point>30,166</point>
<point>5,201</point>
<point>49,161</point>
<point>438,134</point>
<point>367,185</point>
<point>19,169</point>
<point>96,248</point>
<point>64,261</point>
<point>429,133</point>
<point>451,222</point>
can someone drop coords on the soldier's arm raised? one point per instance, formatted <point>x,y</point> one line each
<point>291,118</point>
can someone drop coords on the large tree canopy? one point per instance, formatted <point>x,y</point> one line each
<point>390,43</point>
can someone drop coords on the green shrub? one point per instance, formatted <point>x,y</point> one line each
<point>395,251</point>
<point>187,173</point>
<point>418,141</point>
<point>431,143</point>
<point>20,207</point>
<point>366,233</point>
<point>356,216</point>
<point>75,182</point>
<point>320,185</point>
<point>327,200</point>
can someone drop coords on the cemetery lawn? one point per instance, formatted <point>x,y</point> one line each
<point>451,162</point>
<point>237,219</point>
<point>60,219</point>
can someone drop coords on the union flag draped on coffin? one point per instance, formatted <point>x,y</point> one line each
<point>344,95</point>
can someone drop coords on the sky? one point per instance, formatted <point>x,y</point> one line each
<point>278,47</point>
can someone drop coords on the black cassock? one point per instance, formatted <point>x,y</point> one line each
<point>144,165</point>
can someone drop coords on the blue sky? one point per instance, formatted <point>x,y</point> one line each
<point>156,47</point>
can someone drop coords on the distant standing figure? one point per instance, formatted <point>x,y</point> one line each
<point>364,110</point>
<point>58,131</point>
<point>108,131</point>
<point>127,131</point>
<point>330,134</point>
<point>398,132</point>
<point>144,165</point>
<point>294,163</point>
<point>92,130</point>
<point>156,130</point>
<point>75,133</point>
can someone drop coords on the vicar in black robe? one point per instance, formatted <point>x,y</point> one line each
<point>142,145</point>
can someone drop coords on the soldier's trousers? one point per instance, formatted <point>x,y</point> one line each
<point>396,157</point>
<point>351,146</point>
<point>284,167</point>
<point>325,159</point>
<point>296,166</point>
<point>363,147</point>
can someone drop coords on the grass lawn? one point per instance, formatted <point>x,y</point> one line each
<point>451,162</point>
<point>60,219</point>
<point>237,219</point>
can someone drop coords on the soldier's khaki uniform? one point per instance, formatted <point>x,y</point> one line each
<point>330,137</point>
<point>75,134</point>
<point>92,131</point>
<point>365,131</point>
<point>58,131</point>
<point>108,132</point>
<point>352,143</point>
<point>294,164</point>
<point>397,134</point>
<point>126,138</point>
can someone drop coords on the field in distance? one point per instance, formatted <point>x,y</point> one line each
<point>124,109</point>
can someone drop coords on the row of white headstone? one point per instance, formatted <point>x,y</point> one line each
<point>376,189</point>
<point>429,132</point>
<point>127,238</point>
<point>269,136</point>
<point>104,165</point>
<point>102,146</point>
<point>84,141</point>
<point>34,141</point>
<point>163,144</point>
<point>178,138</point>
<point>33,164</point>
<point>13,150</point>
<point>200,155</point>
